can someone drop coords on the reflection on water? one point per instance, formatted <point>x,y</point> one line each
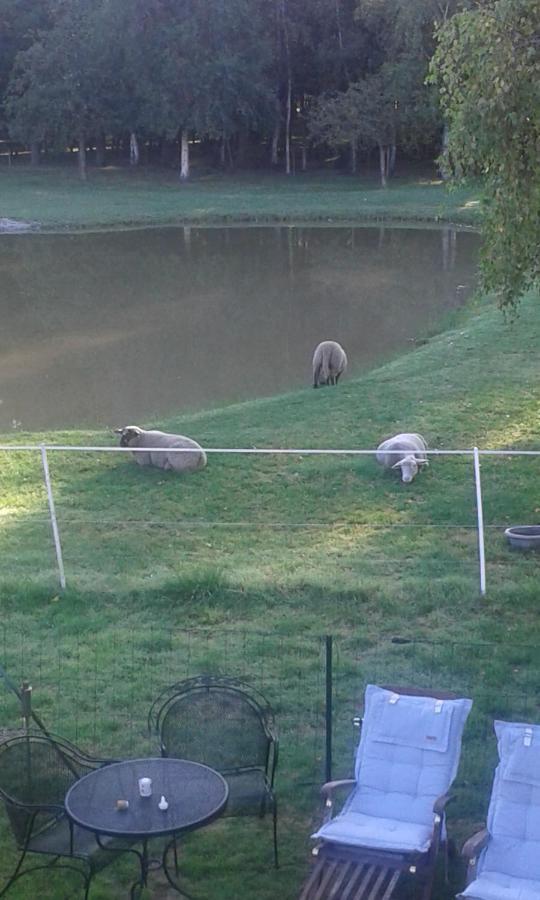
<point>104,329</point>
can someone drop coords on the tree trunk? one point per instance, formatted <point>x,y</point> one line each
<point>133,149</point>
<point>354,154</point>
<point>288,116</point>
<point>163,151</point>
<point>382,164</point>
<point>100,150</point>
<point>304,159</point>
<point>444,158</point>
<point>81,157</point>
<point>241,147</point>
<point>222,149</point>
<point>392,160</point>
<point>34,153</point>
<point>184,155</point>
<point>274,159</point>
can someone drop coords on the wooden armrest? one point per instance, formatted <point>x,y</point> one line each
<point>331,786</point>
<point>440,804</point>
<point>476,843</point>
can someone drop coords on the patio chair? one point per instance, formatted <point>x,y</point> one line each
<point>35,774</point>
<point>228,725</point>
<point>504,858</point>
<point>393,819</point>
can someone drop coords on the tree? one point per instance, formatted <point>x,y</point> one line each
<point>379,110</point>
<point>487,68</point>
<point>61,85</point>
<point>20,24</point>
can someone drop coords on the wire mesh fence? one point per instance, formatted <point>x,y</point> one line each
<point>97,691</point>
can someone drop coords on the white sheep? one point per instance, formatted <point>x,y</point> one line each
<point>412,454</point>
<point>329,363</point>
<point>133,436</point>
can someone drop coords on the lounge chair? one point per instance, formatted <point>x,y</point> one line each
<point>393,819</point>
<point>504,858</point>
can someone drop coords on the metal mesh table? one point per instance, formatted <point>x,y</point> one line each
<point>196,795</point>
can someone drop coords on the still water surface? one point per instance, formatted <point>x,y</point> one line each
<point>110,328</point>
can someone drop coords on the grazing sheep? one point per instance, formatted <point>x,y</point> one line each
<point>329,362</point>
<point>412,455</point>
<point>133,436</point>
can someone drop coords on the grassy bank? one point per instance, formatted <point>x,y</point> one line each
<point>56,199</point>
<point>266,554</point>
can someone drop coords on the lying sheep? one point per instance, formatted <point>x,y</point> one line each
<point>412,455</point>
<point>133,436</point>
<point>329,362</point>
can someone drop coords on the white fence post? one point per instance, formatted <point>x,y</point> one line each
<point>480,516</point>
<point>52,512</point>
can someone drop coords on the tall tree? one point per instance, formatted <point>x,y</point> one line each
<point>487,68</point>
<point>21,21</point>
<point>62,85</point>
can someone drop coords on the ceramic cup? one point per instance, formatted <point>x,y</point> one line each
<point>145,787</point>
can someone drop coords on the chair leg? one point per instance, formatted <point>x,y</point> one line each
<point>274,824</point>
<point>446,855</point>
<point>428,886</point>
<point>175,849</point>
<point>14,876</point>
<point>18,874</point>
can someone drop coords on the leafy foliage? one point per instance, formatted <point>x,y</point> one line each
<point>487,68</point>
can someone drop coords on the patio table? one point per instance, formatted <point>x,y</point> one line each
<point>196,795</point>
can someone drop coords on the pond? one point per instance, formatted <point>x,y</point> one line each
<point>104,329</point>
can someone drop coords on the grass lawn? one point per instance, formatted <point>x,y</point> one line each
<point>114,197</point>
<point>261,556</point>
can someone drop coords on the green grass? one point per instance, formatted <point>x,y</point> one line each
<point>263,555</point>
<point>113,197</point>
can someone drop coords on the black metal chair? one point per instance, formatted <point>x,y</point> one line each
<point>35,773</point>
<point>228,725</point>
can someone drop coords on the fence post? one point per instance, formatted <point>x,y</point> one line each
<point>480,516</point>
<point>52,513</point>
<point>328,711</point>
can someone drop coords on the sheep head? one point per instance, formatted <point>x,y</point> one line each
<point>409,466</point>
<point>128,434</point>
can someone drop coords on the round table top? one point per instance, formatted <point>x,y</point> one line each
<point>196,795</point>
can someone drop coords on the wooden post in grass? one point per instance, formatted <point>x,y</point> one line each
<point>52,513</point>
<point>480,515</point>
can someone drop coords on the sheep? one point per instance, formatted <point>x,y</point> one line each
<point>329,362</point>
<point>133,436</point>
<point>412,455</point>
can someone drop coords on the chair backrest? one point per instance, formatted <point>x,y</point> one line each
<point>36,772</point>
<point>514,810</point>
<point>219,721</point>
<point>408,753</point>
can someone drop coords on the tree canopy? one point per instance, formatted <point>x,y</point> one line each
<point>223,72</point>
<point>487,68</point>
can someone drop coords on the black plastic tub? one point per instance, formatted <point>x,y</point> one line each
<point>523,537</point>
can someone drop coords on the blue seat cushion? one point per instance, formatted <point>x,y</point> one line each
<point>494,886</point>
<point>359,830</point>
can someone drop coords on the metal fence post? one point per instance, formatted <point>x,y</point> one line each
<point>480,515</point>
<point>52,512</point>
<point>328,710</point>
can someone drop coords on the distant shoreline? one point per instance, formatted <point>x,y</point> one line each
<point>54,201</point>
